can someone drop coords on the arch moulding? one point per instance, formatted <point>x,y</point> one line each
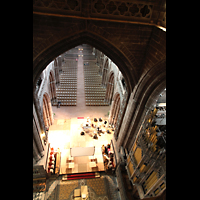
<point>42,59</point>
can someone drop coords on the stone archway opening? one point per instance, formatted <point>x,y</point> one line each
<point>115,109</point>
<point>47,111</point>
<point>52,87</point>
<point>116,55</point>
<point>110,88</point>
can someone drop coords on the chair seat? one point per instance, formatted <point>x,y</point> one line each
<point>77,193</point>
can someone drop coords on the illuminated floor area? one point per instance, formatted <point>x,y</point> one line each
<point>65,134</point>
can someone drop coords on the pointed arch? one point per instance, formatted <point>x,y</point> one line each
<point>110,88</point>
<point>150,85</point>
<point>56,70</point>
<point>52,86</point>
<point>47,111</point>
<point>115,109</point>
<point>42,59</point>
<point>101,63</point>
<point>105,72</point>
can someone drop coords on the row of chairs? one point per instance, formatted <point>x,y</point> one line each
<point>68,104</point>
<point>95,97</point>
<point>68,79</point>
<point>64,86</point>
<point>89,91</point>
<point>67,94</point>
<point>71,74</point>
<point>66,97</point>
<point>97,88</point>
<point>95,80</point>
<point>67,90</point>
<point>91,73</point>
<point>67,83</point>
<point>94,92</point>
<point>88,77</point>
<point>96,104</point>
<point>64,77</point>
<point>92,80</point>
<point>94,86</point>
<point>67,65</point>
<point>69,69</point>
<point>88,83</point>
<point>67,100</point>
<point>90,68</point>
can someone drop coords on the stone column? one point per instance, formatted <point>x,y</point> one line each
<point>50,113</point>
<point>111,92</point>
<point>134,133</point>
<point>117,112</point>
<point>45,116</point>
<point>123,117</point>
<point>47,112</point>
<point>111,112</point>
<point>36,155</point>
<point>37,139</point>
<point>37,113</point>
<point>54,90</point>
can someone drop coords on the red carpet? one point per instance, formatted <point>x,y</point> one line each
<point>80,176</point>
<point>80,117</point>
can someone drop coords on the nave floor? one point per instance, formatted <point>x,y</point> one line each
<point>65,133</point>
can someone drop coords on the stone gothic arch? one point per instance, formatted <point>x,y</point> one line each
<point>47,111</point>
<point>43,58</point>
<point>105,71</point>
<point>56,70</point>
<point>150,85</point>
<point>52,86</point>
<point>101,59</point>
<point>110,88</point>
<point>115,109</point>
